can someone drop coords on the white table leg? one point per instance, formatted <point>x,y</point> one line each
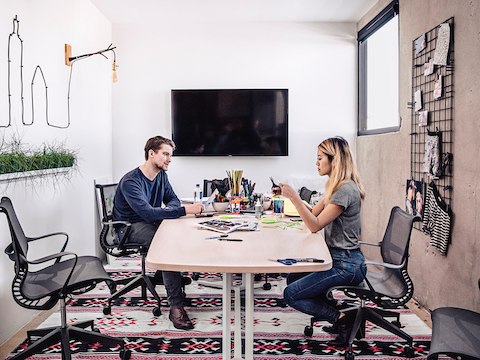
<point>237,345</point>
<point>226,317</point>
<point>249,316</point>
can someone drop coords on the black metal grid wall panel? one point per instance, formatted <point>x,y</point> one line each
<point>440,112</point>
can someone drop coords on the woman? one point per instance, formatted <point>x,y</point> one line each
<point>338,212</point>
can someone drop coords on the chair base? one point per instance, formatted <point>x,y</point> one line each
<point>374,315</point>
<point>63,335</point>
<point>145,282</point>
<point>44,331</point>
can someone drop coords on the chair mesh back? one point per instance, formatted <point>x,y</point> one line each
<point>19,240</point>
<point>397,236</point>
<point>306,194</point>
<point>107,194</point>
<point>111,234</point>
<point>17,252</point>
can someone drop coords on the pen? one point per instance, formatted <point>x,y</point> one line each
<point>217,236</point>
<point>230,239</point>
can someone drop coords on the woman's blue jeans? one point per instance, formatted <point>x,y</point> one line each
<point>306,292</point>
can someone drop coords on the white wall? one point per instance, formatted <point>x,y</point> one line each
<point>47,206</point>
<point>316,62</point>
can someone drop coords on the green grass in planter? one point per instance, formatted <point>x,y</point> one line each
<point>19,162</point>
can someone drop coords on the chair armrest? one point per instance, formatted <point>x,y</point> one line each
<point>51,257</point>
<point>122,239</point>
<point>117,222</point>
<point>370,244</point>
<point>29,239</point>
<point>386,265</point>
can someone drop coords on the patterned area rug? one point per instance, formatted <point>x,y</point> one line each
<point>278,328</point>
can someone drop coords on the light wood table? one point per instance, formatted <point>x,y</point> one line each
<point>180,245</point>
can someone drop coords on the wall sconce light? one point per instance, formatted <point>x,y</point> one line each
<point>114,71</point>
<point>69,60</point>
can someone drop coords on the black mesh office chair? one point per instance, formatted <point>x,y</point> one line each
<point>306,194</point>
<point>53,278</point>
<point>114,241</point>
<point>388,287</point>
<point>455,333</point>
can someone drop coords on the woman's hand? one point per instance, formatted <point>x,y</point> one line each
<point>289,192</point>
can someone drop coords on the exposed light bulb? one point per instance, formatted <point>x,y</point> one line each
<point>114,72</point>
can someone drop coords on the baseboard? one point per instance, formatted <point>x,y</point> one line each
<point>421,312</point>
<point>10,344</point>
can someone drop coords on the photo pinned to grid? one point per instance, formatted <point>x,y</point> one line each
<point>438,87</point>
<point>418,100</point>
<point>428,68</point>
<point>423,118</point>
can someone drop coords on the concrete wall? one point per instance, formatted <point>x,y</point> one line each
<point>384,160</point>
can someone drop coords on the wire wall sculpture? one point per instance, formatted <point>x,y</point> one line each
<point>15,34</point>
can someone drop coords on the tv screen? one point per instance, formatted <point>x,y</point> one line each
<point>230,122</point>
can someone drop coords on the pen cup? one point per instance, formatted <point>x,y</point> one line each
<point>278,207</point>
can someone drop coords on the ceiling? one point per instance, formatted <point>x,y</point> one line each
<point>177,11</point>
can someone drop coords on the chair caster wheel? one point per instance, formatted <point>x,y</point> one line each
<point>125,354</point>
<point>308,331</point>
<point>349,355</point>
<point>186,280</point>
<point>195,277</point>
<point>408,351</point>
<point>267,286</point>
<point>156,311</point>
<point>107,310</point>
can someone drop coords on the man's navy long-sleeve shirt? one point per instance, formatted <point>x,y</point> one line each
<point>139,199</point>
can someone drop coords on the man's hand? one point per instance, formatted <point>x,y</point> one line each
<point>193,208</point>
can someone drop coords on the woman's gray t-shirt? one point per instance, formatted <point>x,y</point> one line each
<point>344,231</point>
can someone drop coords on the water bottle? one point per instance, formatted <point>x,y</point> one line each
<point>197,194</point>
<point>258,209</point>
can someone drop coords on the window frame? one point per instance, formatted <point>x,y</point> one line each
<point>387,14</point>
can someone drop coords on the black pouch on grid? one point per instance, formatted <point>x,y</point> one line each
<point>432,161</point>
<point>437,219</point>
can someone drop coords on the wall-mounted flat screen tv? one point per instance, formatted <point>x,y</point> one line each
<point>230,122</point>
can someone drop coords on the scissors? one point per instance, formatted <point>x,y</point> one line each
<point>291,261</point>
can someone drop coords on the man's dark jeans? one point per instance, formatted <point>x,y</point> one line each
<point>142,233</point>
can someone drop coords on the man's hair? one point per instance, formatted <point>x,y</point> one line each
<point>155,143</point>
<point>343,167</point>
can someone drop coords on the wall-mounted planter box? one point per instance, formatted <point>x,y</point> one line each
<point>20,161</point>
<point>33,173</point>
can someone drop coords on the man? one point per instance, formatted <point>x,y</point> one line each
<point>139,198</point>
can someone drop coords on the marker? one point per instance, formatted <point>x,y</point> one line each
<point>217,237</point>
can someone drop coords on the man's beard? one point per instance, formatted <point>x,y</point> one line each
<point>163,167</point>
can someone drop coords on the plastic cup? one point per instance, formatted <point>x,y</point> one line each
<point>278,207</point>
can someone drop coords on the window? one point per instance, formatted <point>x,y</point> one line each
<point>378,110</point>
